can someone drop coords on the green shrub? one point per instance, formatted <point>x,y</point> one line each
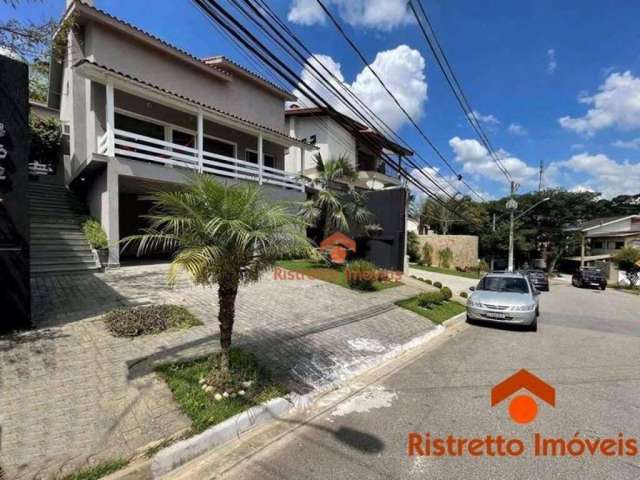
<point>628,260</point>
<point>437,284</point>
<point>446,293</point>
<point>445,256</point>
<point>95,234</point>
<point>428,299</point>
<point>134,321</point>
<point>361,275</point>
<point>427,254</point>
<point>46,139</point>
<point>483,266</point>
<point>413,247</point>
<point>429,281</point>
<point>464,294</point>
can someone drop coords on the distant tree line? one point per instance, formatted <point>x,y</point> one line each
<point>540,233</point>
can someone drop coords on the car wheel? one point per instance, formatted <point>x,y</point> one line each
<point>534,325</point>
<point>469,320</point>
<point>603,287</point>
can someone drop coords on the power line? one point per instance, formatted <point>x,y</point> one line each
<point>249,41</point>
<point>287,48</point>
<point>393,97</point>
<point>454,84</point>
<point>311,68</point>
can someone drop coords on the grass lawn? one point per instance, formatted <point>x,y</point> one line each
<point>99,471</point>
<point>446,271</point>
<point>320,271</point>
<point>201,407</point>
<point>438,314</point>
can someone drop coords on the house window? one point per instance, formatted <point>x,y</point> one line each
<point>252,156</point>
<point>182,138</point>
<point>619,245</point>
<point>219,147</point>
<point>597,244</point>
<point>140,127</point>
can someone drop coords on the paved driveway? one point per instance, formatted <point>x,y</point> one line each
<point>587,347</point>
<point>71,393</point>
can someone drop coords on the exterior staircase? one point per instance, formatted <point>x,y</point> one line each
<point>58,244</point>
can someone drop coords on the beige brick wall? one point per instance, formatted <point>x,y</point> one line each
<point>464,248</point>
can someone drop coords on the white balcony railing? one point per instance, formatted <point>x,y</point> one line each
<point>140,147</point>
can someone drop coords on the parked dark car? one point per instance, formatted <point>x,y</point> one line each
<point>589,277</point>
<point>538,278</point>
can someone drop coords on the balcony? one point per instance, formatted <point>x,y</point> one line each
<point>140,147</point>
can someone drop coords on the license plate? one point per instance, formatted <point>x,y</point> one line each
<point>501,316</point>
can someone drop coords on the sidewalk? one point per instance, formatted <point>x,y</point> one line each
<point>456,283</point>
<point>71,393</point>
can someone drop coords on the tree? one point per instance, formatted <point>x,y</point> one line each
<point>413,247</point>
<point>336,206</point>
<point>628,259</point>
<point>36,44</point>
<point>221,234</point>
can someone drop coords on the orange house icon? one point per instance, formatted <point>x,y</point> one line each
<point>523,408</point>
<point>338,245</point>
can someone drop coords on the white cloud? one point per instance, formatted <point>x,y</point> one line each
<point>477,162</point>
<point>581,189</point>
<point>602,174</point>
<point>617,104</point>
<point>552,63</point>
<point>630,144</point>
<point>490,120</point>
<point>577,146</point>
<point>378,14</point>
<point>517,129</point>
<point>401,69</point>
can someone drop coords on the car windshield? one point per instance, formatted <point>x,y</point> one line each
<point>504,284</point>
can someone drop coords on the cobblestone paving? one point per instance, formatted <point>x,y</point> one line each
<point>71,394</point>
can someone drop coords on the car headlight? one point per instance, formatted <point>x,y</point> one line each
<point>523,308</point>
<point>473,303</point>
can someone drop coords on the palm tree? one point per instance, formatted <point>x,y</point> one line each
<point>336,206</point>
<point>221,234</point>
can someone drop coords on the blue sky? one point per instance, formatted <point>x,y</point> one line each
<point>524,66</point>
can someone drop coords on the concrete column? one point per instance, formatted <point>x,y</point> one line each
<point>260,158</point>
<point>111,120</point>
<point>112,207</point>
<point>200,140</point>
<point>582,246</point>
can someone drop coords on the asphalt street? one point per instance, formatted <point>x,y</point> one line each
<point>587,347</point>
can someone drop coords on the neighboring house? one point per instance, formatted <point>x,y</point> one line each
<point>601,238</point>
<point>141,113</point>
<point>413,224</point>
<point>337,135</point>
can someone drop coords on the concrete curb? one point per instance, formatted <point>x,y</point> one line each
<point>453,321</point>
<point>181,452</point>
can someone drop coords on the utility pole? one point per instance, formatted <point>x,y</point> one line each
<point>511,205</point>
<point>493,249</point>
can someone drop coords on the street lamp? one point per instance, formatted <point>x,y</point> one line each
<point>512,205</point>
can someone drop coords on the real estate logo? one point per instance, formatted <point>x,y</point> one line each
<point>337,246</point>
<point>523,409</point>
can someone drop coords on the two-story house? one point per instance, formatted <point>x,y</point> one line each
<point>601,238</point>
<point>337,135</point>
<point>141,113</point>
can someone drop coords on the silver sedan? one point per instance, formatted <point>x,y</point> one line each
<point>504,298</point>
